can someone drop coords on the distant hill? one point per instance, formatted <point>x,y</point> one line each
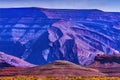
<point>54,69</point>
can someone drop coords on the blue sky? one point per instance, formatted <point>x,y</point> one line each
<point>106,5</point>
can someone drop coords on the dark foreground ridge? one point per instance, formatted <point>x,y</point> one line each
<point>54,69</point>
<point>64,68</point>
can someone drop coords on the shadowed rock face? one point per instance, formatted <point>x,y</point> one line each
<point>2,65</point>
<point>40,36</point>
<point>108,58</point>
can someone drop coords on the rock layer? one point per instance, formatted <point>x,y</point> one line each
<point>40,36</point>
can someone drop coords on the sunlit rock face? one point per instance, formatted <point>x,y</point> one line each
<point>40,36</point>
<point>13,61</point>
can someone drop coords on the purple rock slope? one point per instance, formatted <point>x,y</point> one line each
<point>40,36</point>
<point>14,61</point>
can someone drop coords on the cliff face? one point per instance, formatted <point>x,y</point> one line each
<point>40,36</point>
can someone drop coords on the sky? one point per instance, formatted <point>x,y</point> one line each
<point>105,5</point>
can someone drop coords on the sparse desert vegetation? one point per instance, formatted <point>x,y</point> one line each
<point>57,78</point>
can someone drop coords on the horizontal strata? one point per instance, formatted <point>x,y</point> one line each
<point>40,36</point>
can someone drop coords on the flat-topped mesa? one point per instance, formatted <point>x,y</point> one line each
<point>41,36</point>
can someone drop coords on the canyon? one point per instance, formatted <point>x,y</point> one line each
<point>40,36</point>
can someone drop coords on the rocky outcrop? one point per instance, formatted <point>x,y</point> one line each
<point>80,43</point>
<point>13,61</point>
<point>41,36</point>
<point>108,64</point>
